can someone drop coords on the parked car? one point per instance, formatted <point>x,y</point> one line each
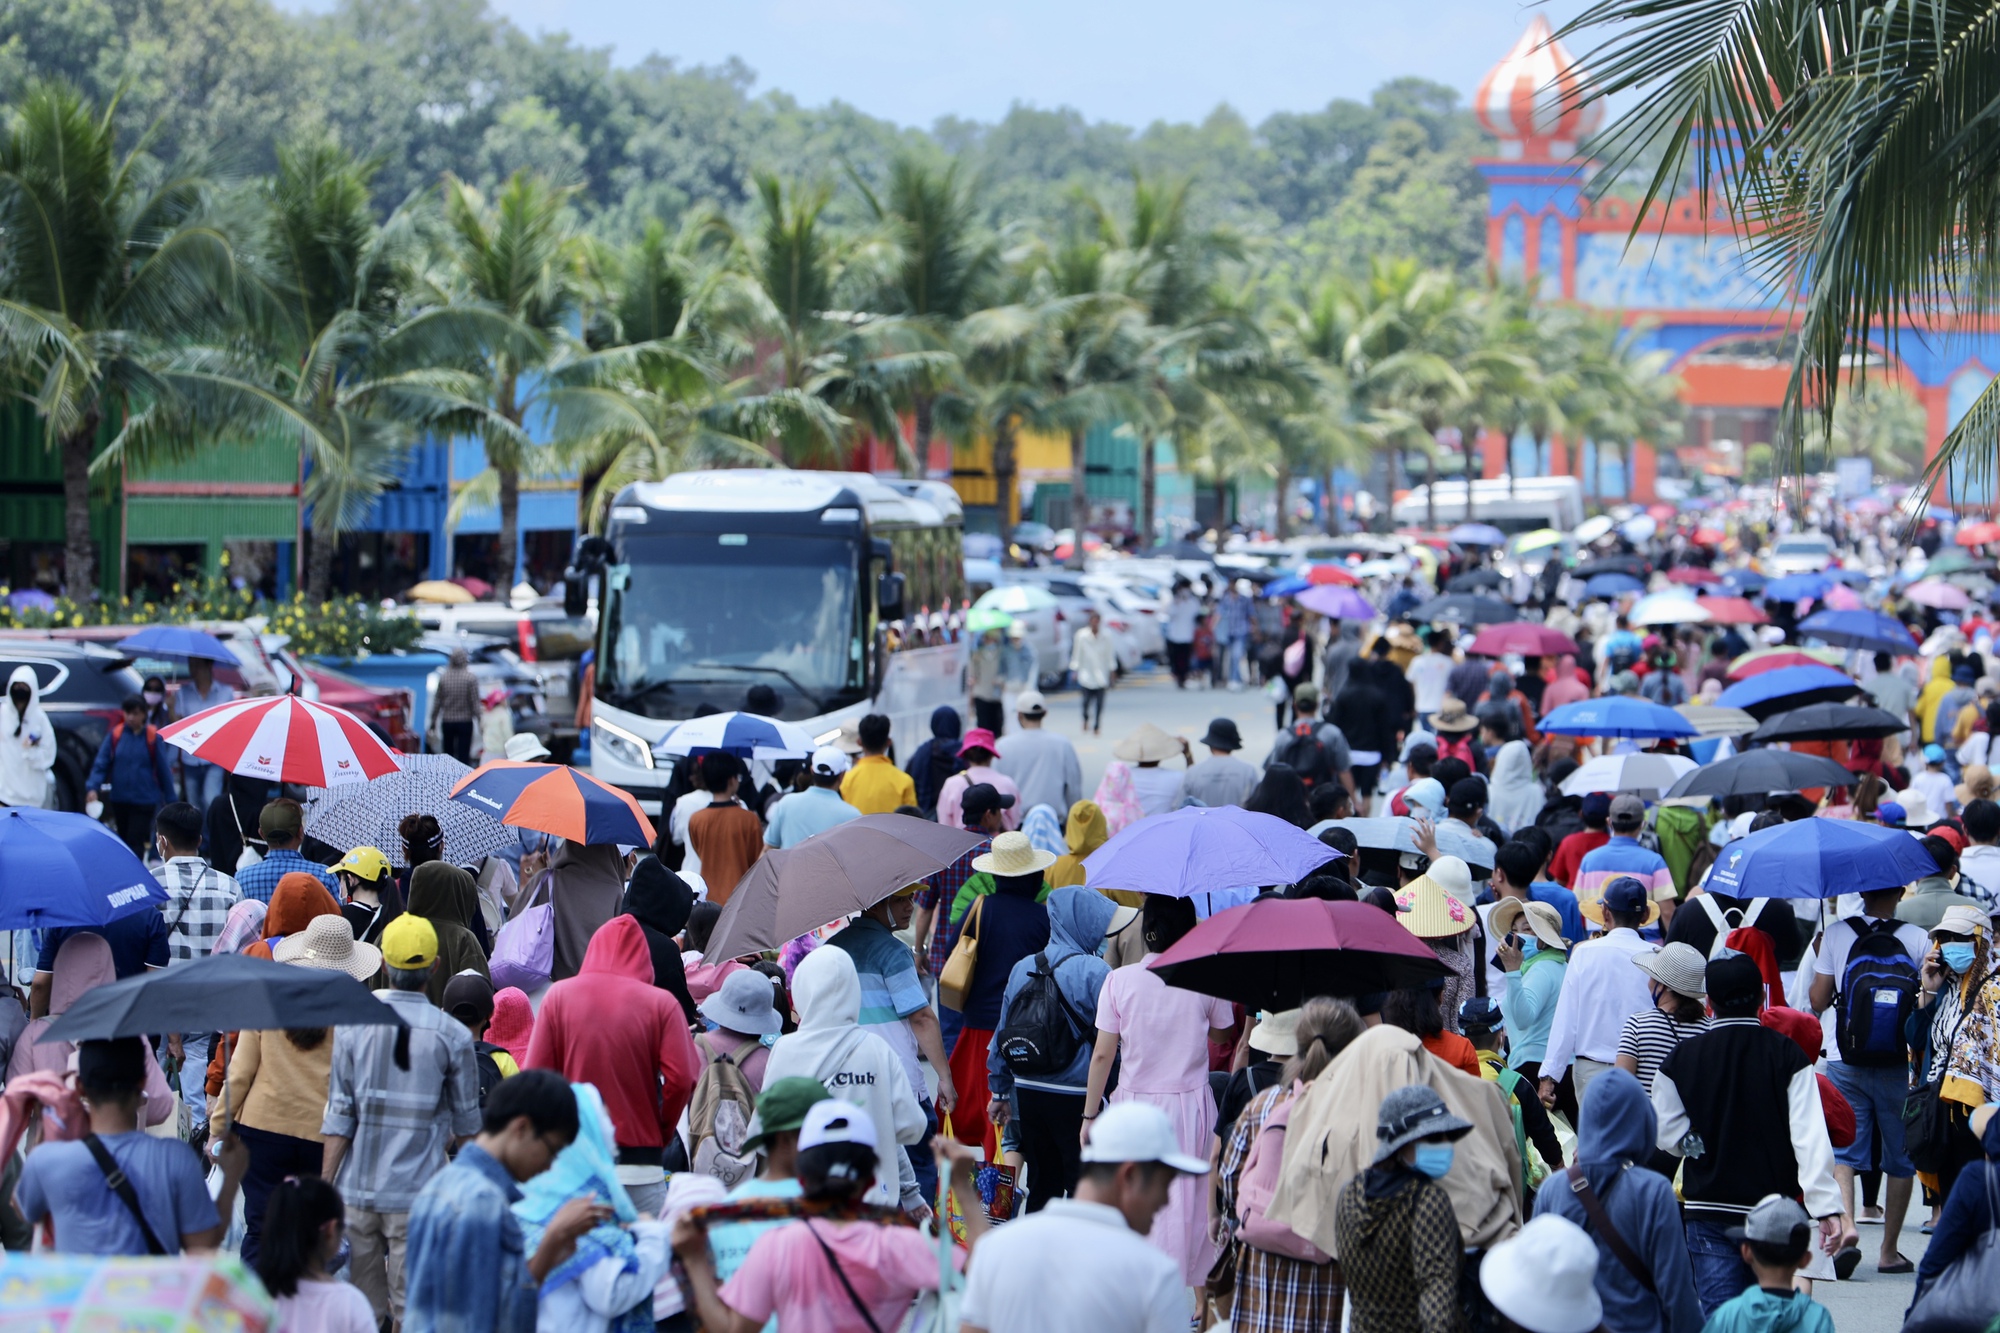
<point>1799,553</point>
<point>544,639</point>
<point>386,711</point>
<point>82,686</point>
<point>1077,600</point>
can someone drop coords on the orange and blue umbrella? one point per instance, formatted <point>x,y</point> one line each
<point>551,798</point>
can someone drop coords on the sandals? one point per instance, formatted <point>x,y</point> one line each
<point>1901,1265</point>
<point>1846,1261</point>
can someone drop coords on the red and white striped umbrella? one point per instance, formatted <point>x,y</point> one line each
<point>285,739</point>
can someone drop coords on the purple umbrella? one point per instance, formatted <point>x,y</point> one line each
<point>1336,603</point>
<point>1203,850</point>
<point>31,599</point>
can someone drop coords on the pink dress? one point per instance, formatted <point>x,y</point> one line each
<point>1163,1059</point>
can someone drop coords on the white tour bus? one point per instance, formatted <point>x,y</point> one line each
<point>1525,505</point>
<point>841,591</point>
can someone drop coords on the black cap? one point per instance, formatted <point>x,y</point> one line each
<point>1734,976</point>
<point>468,997</point>
<point>981,797</point>
<point>1466,794</point>
<point>1479,1016</point>
<point>1223,735</point>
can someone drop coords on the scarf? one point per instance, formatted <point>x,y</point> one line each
<point>1044,830</point>
<point>589,1165</point>
<point>1118,798</point>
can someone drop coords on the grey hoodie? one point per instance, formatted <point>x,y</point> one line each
<point>1078,918</point>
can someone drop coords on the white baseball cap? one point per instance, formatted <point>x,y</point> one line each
<point>829,761</point>
<point>835,1121</point>
<point>1134,1132</point>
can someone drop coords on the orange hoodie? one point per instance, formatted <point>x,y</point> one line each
<point>610,1026</point>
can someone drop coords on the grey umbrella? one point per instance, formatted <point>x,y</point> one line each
<point>847,869</point>
<point>225,993</point>
<point>1391,833</point>
<point>366,814</point>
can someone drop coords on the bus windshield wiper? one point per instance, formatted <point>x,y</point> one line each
<point>620,698</point>
<point>780,672</point>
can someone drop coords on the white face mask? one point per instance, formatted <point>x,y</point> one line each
<point>153,698</point>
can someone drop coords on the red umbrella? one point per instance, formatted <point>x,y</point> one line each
<point>284,738</point>
<point>1707,537</point>
<point>1734,611</point>
<point>1277,953</point>
<point>1978,534</point>
<point>1333,574</point>
<point>1693,575</point>
<point>1521,636</point>
<point>1756,664</point>
<point>1662,513</point>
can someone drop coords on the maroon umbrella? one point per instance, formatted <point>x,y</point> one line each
<point>1277,953</point>
<point>1524,637</point>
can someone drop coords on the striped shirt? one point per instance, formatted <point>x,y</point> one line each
<point>1623,856</point>
<point>1650,1037</point>
<point>198,901</point>
<point>399,1120</point>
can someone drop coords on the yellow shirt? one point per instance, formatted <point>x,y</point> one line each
<point>874,786</point>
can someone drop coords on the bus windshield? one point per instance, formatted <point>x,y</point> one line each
<point>700,618</point>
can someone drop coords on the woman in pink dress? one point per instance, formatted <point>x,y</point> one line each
<point>1162,1033</point>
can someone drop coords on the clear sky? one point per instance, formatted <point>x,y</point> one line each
<point>1130,61</point>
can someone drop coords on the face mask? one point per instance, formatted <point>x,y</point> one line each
<point>1433,1159</point>
<point>1529,948</point>
<point>153,697</point>
<point>1957,957</point>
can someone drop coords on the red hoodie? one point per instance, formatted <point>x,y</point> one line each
<point>611,1027</point>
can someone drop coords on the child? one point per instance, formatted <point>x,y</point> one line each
<point>1773,1240</point>
<point>1483,1025</point>
<point>468,997</point>
<point>301,1247</point>
<point>496,725</point>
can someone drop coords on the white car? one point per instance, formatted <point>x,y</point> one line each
<point>1040,616</point>
<point>1799,553</point>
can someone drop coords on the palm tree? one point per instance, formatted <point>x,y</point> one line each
<point>1884,424</point>
<point>107,263</point>
<point>1410,350</point>
<point>1323,320</point>
<point>1622,394</point>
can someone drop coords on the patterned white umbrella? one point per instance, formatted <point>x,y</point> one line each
<point>367,815</point>
<point>1648,773</point>
<point>284,738</point>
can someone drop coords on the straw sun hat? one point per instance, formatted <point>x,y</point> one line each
<point>1509,914</point>
<point>1452,716</point>
<point>1012,855</point>
<point>1147,745</point>
<point>328,944</point>
<point>1428,911</point>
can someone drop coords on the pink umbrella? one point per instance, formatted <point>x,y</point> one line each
<point>1693,575</point>
<point>285,739</point>
<point>1734,611</point>
<point>1939,595</point>
<point>1521,636</point>
<point>1840,597</point>
<point>1277,953</point>
<point>1336,603</point>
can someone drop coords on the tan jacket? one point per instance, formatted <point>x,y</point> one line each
<point>1332,1137</point>
<point>276,1087</point>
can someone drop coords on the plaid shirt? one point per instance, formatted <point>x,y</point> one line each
<point>400,1120</point>
<point>261,880</point>
<point>1274,1294</point>
<point>939,891</point>
<point>198,901</point>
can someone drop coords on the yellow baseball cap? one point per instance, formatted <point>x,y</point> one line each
<point>409,943</point>
<point>366,862</point>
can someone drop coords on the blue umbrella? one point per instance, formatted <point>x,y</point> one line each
<point>1795,587</point>
<point>1853,578</point>
<point>1289,586</point>
<point>1477,534</point>
<point>176,641</point>
<point>1611,585</point>
<point>1744,580</point>
<point>1618,715</point>
<point>745,735</point>
<point>1871,630</point>
<point>1770,692</point>
<point>1205,849</point>
<point>61,869</point>
<point>31,599</point>
<point>1819,858</point>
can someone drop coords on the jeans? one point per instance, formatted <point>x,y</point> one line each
<point>1877,1096</point>
<point>203,782</point>
<point>1719,1271</point>
<point>1093,699</point>
<point>194,1075</point>
<point>1236,652</point>
<point>272,1158</point>
<point>1050,1123</point>
<point>922,1165</point>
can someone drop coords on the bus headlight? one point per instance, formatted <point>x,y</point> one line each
<point>620,744</point>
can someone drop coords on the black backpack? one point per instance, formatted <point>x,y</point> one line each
<point>1305,753</point>
<point>1041,1034</point>
<point>488,1067</point>
<point>1878,990</point>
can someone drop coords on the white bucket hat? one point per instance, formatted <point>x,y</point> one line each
<point>1276,1033</point>
<point>1544,1278</point>
<point>1013,854</point>
<point>523,747</point>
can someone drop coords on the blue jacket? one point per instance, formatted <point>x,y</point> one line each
<point>466,1261</point>
<point>1613,1141</point>
<point>1078,918</point>
<point>1967,1214</point>
<point>136,773</point>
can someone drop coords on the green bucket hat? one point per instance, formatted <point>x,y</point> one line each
<point>783,1107</point>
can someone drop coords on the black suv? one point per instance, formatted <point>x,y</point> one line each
<point>82,686</point>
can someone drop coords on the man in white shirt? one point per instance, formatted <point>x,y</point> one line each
<point>1094,660</point>
<point>1427,675</point>
<point>1979,863</point>
<point>1601,988</point>
<point>1082,1265</point>
<point>1043,765</point>
<point>201,690</point>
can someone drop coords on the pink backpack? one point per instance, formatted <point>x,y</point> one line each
<point>1258,1185</point>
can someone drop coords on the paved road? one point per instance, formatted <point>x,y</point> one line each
<point>1870,1302</point>
<point>1148,695</point>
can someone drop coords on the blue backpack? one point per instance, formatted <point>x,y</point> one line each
<point>1877,993</point>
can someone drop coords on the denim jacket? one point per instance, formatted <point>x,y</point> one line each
<point>466,1261</point>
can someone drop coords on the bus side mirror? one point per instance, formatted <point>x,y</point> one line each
<point>576,593</point>
<point>889,597</point>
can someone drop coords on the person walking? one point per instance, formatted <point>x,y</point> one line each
<point>397,1099</point>
<point>369,898</point>
<point>201,781</point>
<point>457,706</point>
<point>985,680</point>
<point>1047,1103</point>
<point>977,753</point>
<point>934,762</point>
<point>725,834</point>
<point>816,809</point>
<point>1222,778</point>
<point>1010,924</point>
<point>199,898</point>
<point>874,785</point>
<point>1159,1035</point>
<point>1715,1097</point>
<point>1601,988</point>
<point>1232,631</point>
<point>1679,1011</point>
<point>1622,856</point>
<point>1082,1264</point>
<point>1042,764</point>
<point>448,898</point>
<point>1397,1232</point>
<point>281,824</point>
<point>27,741</point>
<point>1534,959</point>
<point>1542,1278</point>
<point>1954,997</point>
<point>1183,616</point>
<point>303,1237</point>
<point>1644,1275</point>
<point>132,767</point>
<point>934,927</point>
<point>1094,661</point>
<point>1969,1212</point>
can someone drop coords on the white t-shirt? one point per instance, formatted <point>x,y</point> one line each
<point>1832,962</point>
<point>677,823</point>
<point>326,1307</point>
<point>1182,616</point>
<point>1074,1267</point>
<point>1158,790</point>
<point>1427,676</point>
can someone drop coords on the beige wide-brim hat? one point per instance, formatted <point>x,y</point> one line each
<point>1147,745</point>
<point>1978,784</point>
<point>1452,716</point>
<point>328,944</point>
<point>1679,967</point>
<point>1542,919</point>
<point>1276,1033</point>
<point>1012,855</point>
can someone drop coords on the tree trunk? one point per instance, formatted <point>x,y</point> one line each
<point>79,558</point>
<point>586,487</point>
<point>1625,463</point>
<point>319,564</point>
<point>506,567</point>
<point>1332,524</point>
<point>920,409</point>
<point>1149,485</point>
<point>1468,443</point>
<point>1221,506</point>
<point>1431,485</point>
<point>1004,483</point>
<point>1079,497</point>
<point>1282,525</point>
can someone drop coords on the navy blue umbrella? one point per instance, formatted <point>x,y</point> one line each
<point>1743,580</point>
<point>176,641</point>
<point>1795,587</point>
<point>1770,692</point>
<point>1618,715</point>
<point>60,869</point>
<point>1819,858</point>
<point>1870,630</point>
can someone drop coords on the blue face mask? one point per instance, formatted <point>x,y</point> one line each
<point>1957,957</point>
<point>1529,948</point>
<point>1433,1159</point>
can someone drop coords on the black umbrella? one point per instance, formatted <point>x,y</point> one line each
<point>1830,722</point>
<point>229,993</point>
<point>1760,772</point>
<point>1467,608</point>
<point>1472,580</point>
<point>1635,565</point>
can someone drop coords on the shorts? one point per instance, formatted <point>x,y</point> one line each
<point>1877,1096</point>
